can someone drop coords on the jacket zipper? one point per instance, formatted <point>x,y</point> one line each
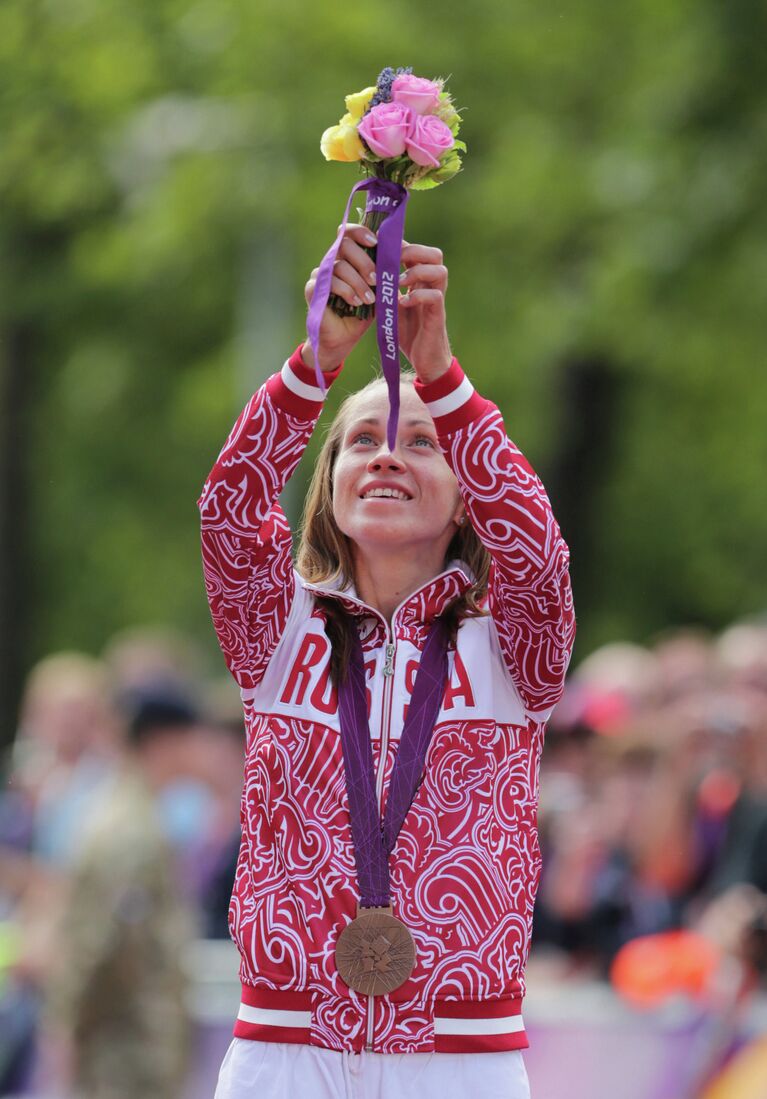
<point>386,705</point>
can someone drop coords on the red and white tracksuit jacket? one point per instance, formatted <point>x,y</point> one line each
<point>465,868</point>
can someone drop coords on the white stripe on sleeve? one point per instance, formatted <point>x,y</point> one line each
<point>301,389</point>
<point>452,401</point>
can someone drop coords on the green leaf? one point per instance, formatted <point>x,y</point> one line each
<point>424,184</point>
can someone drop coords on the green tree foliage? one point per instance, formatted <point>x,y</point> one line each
<point>607,247</point>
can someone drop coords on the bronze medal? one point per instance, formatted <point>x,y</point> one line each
<point>375,953</point>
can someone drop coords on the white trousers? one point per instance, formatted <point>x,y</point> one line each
<point>278,1070</point>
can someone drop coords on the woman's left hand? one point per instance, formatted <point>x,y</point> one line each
<point>421,317</point>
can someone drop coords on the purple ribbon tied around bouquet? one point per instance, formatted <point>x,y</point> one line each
<point>384,196</point>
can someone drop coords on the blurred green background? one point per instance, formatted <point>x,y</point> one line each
<point>163,199</point>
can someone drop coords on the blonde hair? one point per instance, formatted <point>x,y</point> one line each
<point>59,679</point>
<point>324,553</point>
<point>65,675</point>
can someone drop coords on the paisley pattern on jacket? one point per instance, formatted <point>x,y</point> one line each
<point>465,868</point>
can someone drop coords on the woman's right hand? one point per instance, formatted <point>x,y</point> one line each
<point>352,281</point>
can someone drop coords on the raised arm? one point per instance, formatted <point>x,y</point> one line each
<point>529,589</point>
<point>246,541</point>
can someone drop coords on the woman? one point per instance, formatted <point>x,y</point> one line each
<point>450,540</point>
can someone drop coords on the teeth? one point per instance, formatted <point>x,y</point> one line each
<point>386,492</point>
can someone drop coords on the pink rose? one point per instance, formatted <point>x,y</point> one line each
<point>428,140</point>
<point>385,128</point>
<point>422,96</point>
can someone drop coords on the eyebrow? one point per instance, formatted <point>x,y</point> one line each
<point>408,423</point>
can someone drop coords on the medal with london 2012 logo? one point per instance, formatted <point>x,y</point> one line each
<point>375,953</point>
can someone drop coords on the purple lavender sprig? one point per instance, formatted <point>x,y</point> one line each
<point>383,85</point>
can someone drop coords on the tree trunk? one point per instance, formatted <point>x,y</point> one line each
<point>15,394</point>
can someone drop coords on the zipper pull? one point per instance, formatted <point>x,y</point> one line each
<point>389,665</point>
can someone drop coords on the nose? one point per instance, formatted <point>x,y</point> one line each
<point>384,459</point>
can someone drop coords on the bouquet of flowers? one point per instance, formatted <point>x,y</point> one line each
<point>405,129</point>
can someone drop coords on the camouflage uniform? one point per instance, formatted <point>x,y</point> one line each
<point>119,991</point>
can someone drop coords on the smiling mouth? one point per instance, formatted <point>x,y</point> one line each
<point>385,494</point>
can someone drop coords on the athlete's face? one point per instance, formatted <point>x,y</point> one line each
<point>385,500</point>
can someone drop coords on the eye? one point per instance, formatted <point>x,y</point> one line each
<point>424,439</point>
<point>363,437</point>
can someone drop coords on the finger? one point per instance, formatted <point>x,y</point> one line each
<point>359,259</point>
<point>337,286</point>
<point>360,233</point>
<point>347,274</point>
<point>420,253</point>
<point>435,274</point>
<point>356,265</point>
<point>345,291</point>
<point>432,299</point>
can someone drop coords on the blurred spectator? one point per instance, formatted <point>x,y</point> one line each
<point>609,689</point>
<point>65,747</point>
<point>116,1018</point>
<point>686,664</point>
<point>594,895</point>
<point>64,753</point>
<point>742,650</point>
<point>145,655</point>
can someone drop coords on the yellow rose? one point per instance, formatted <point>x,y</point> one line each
<point>356,103</point>
<point>342,142</point>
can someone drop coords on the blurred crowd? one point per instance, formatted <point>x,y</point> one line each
<point>653,812</point>
<point>119,833</point>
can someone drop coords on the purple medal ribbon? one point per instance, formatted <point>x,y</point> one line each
<point>374,842</point>
<point>384,196</point>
